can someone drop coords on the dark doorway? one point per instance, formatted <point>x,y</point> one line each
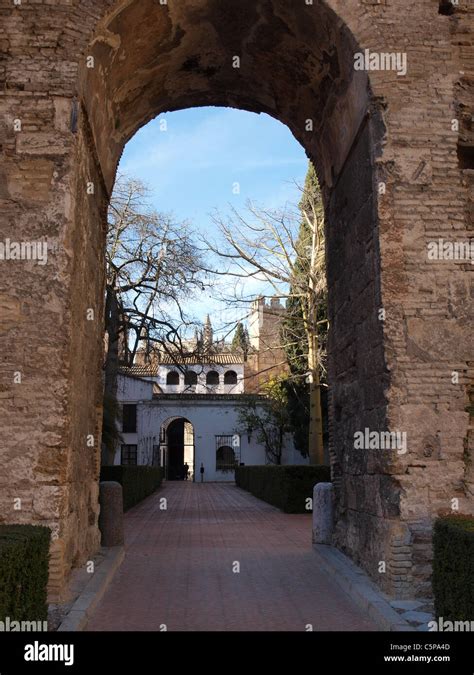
<point>176,450</point>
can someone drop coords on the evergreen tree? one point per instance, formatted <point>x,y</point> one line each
<point>240,341</point>
<point>303,310</point>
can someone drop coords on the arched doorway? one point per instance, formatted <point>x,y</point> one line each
<point>177,448</point>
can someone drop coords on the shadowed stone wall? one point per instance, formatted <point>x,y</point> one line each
<point>82,77</point>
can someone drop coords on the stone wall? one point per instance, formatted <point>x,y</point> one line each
<point>267,359</point>
<point>396,173</point>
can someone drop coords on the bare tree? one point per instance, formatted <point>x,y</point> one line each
<point>152,266</point>
<point>287,253</point>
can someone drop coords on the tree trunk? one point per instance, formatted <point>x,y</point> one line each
<point>316,445</point>
<point>280,447</point>
<point>112,328</point>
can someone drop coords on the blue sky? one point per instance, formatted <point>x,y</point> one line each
<point>192,166</point>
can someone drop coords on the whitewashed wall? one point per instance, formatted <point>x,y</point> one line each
<point>202,387</point>
<point>133,390</point>
<point>210,418</point>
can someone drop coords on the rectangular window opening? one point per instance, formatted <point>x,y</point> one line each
<point>129,419</point>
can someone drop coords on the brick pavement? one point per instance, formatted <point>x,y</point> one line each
<point>179,564</point>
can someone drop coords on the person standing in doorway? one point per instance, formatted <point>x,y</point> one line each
<point>201,471</point>
<point>186,471</point>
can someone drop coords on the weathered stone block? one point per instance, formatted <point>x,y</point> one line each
<point>41,144</point>
<point>111,513</point>
<point>323,513</point>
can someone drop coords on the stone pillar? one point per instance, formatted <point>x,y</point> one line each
<point>111,513</point>
<point>323,513</point>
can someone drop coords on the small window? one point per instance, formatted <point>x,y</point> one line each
<point>190,377</point>
<point>225,458</point>
<point>129,455</point>
<point>230,377</point>
<point>172,377</point>
<point>212,377</point>
<point>129,419</point>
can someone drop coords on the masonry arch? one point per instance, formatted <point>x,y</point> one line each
<point>114,65</point>
<point>172,378</point>
<point>230,377</point>
<point>190,377</point>
<point>177,448</point>
<point>212,378</point>
<point>297,66</point>
<point>262,57</point>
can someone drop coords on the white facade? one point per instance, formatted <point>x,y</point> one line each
<point>212,424</point>
<point>230,379</point>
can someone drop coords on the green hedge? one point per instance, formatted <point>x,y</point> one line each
<point>286,487</point>
<point>137,482</point>
<point>453,567</point>
<point>24,562</point>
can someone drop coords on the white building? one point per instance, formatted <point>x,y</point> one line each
<point>186,411</point>
<point>218,374</point>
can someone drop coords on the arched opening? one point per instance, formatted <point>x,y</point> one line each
<point>230,377</point>
<point>190,378</point>
<point>177,448</point>
<point>297,66</point>
<point>212,378</point>
<point>172,378</point>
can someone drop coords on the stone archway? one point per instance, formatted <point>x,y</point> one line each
<point>178,448</point>
<point>98,70</point>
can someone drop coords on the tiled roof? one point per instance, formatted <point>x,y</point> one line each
<point>205,359</point>
<point>228,359</point>
<point>139,371</point>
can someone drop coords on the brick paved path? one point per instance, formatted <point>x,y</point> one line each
<point>178,568</point>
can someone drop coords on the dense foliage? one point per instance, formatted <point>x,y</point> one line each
<point>453,568</point>
<point>24,561</point>
<point>138,482</point>
<point>287,487</point>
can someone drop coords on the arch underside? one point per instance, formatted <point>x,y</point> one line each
<point>295,66</point>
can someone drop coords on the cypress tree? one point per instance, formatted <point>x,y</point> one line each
<point>240,341</point>
<point>303,386</point>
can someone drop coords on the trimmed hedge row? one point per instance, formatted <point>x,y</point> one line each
<point>453,567</point>
<point>24,562</point>
<point>287,487</point>
<point>137,482</point>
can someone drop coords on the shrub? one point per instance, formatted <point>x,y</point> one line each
<point>453,567</point>
<point>24,561</point>
<point>287,487</point>
<point>138,482</point>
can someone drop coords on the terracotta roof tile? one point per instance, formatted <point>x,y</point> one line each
<point>227,359</point>
<point>207,359</point>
